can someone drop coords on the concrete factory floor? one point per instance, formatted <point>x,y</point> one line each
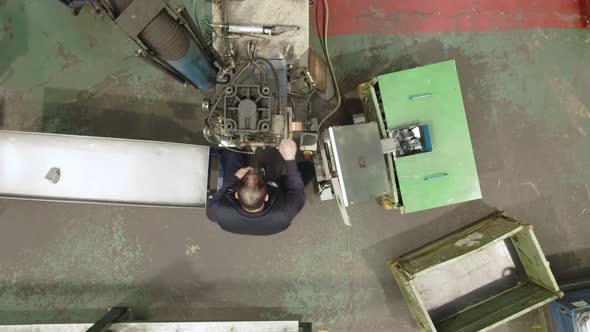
<point>527,103</point>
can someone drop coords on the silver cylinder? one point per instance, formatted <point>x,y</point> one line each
<point>248,29</point>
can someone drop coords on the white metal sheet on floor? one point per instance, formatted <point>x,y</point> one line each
<point>96,169</point>
<point>272,326</point>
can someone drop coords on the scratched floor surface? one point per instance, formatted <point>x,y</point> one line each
<point>525,77</point>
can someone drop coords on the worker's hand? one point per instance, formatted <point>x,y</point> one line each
<point>243,171</point>
<point>288,149</point>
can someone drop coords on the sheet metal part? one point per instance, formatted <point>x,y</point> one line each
<point>102,170</point>
<point>359,160</point>
<point>339,194</point>
<point>271,326</point>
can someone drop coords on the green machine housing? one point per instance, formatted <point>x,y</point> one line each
<point>428,95</point>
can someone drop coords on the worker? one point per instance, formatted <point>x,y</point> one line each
<point>246,204</point>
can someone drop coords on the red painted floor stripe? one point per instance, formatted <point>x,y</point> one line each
<point>428,16</point>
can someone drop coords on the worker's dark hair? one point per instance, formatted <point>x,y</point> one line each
<point>251,191</point>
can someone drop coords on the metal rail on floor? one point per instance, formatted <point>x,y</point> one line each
<point>118,319</point>
<point>111,317</point>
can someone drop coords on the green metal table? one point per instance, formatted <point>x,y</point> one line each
<point>426,95</point>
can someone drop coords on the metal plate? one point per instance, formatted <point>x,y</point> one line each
<point>98,169</point>
<point>359,162</point>
<point>290,45</point>
<point>272,326</point>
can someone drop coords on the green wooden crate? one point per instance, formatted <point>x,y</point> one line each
<point>477,278</point>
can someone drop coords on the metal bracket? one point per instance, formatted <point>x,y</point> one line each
<point>341,207</point>
<point>388,145</point>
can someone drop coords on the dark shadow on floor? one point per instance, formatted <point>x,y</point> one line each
<point>164,298</point>
<point>178,294</point>
<point>343,117</point>
<point>62,299</point>
<point>365,64</point>
<point>80,113</point>
<point>570,265</point>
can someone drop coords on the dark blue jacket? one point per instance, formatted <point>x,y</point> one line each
<point>283,205</point>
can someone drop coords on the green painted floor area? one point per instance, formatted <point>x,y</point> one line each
<point>525,95</point>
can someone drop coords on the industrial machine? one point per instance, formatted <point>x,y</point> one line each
<point>104,170</point>
<point>572,312</point>
<point>414,151</point>
<point>123,319</point>
<point>265,44</point>
<point>249,57</point>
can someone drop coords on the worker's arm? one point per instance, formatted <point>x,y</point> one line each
<point>294,188</point>
<point>214,204</point>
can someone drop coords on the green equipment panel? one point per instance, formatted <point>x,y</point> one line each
<point>431,95</point>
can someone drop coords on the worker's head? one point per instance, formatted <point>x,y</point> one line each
<point>251,192</point>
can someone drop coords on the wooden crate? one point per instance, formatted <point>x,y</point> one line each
<point>477,278</point>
